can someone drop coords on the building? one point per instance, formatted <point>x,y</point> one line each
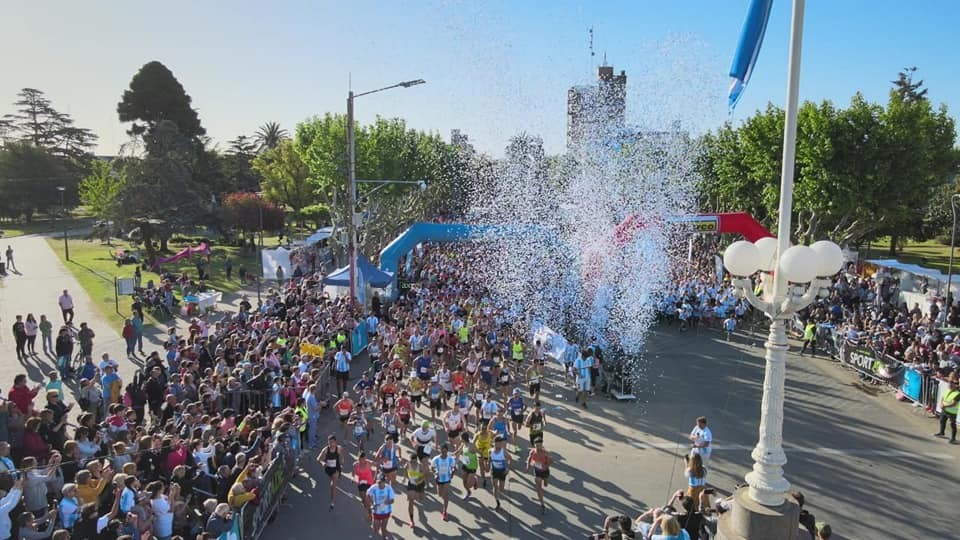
<point>596,112</point>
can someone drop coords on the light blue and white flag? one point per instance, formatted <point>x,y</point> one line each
<point>751,38</point>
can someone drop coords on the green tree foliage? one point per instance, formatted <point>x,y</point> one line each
<point>156,96</point>
<point>29,177</point>
<point>101,189</point>
<point>269,136</point>
<point>862,172</point>
<point>238,164</point>
<point>285,177</point>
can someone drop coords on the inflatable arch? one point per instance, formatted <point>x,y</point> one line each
<point>740,223</point>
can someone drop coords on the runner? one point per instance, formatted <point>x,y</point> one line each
<point>445,379</point>
<point>468,464</point>
<point>488,409</point>
<point>471,365</point>
<point>444,466</point>
<point>479,397</point>
<point>487,366</point>
<point>504,378</point>
<point>363,474</point>
<point>536,421</point>
<point>517,408</point>
<point>416,386</point>
<point>500,426</point>
<point>416,484</point>
<point>369,403</point>
<point>453,423</point>
<point>388,393</point>
<point>423,441</point>
<point>581,377</point>
<point>330,457</point>
<point>344,407</point>
<point>390,422</point>
<point>404,411</point>
<point>540,460</point>
<point>434,394</point>
<point>381,497</point>
<point>359,422</point>
<point>388,458</point>
<point>500,463</point>
<point>483,444</point>
<point>534,374</point>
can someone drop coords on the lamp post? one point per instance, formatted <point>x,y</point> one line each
<point>260,249</point>
<point>352,175</point>
<point>953,240</point>
<point>761,510</point>
<point>63,211</point>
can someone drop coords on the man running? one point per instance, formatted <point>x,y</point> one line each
<point>517,407</point>
<point>499,465</point>
<point>342,367</point>
<point>381,497</point>
<point>444,467</point>
<point>453,423</point>
<point>391,423</point>
<point>536,421</point>
<point>331,458</point>
<point>540,460</point>
<point>483,444</point>
<point>423,440</point>
<point>344,407</point>
<point>534,375</point>
<point>388,458</point>
<point>469,463</point>
<point>404,412</point>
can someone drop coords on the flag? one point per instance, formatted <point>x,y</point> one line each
<point>751,38</point>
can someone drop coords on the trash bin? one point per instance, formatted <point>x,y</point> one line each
<point>3,268</point>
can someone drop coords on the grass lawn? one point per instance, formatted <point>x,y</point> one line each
<point>92,265</point>
<point>40,226</point>
<point>930,254</point>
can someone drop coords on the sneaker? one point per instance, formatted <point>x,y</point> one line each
<point>954,441</point>
<point>940,435</point>
<point>443,516</point>
<point>498,504</point>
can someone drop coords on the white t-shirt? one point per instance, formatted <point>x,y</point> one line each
<point>701,436</point>
<point>66,302</point>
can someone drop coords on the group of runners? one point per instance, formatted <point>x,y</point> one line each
<point>452,397</point>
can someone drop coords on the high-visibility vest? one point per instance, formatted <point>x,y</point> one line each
<point>302,412</point>
<point>517,350</point>
<point>951,395</point>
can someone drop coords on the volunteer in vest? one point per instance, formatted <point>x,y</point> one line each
<point>381,497</point>
<point>331,457</point>
<point>499,465</point>
<point>469,463</point>
<point>444,466</point>
<point>416,484</point>
<point>388,459</point>
<point>536,421</point>
<point>540,460</point>
<point>301,411</point>
<point>809,337</point>
<point>949,404</point>
<point>343,359</point>
<point>363,473</point>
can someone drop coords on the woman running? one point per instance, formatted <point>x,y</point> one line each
<point>453,423</point>
<point>499,465</point>
<point>344,407</point>
<point>359,422</point>
<point>416,484</point>
<point>483,443</point>
<point>404,413</point>
<point>540,460</point>
<point>388,458</point>
<point>363,473</point>
<point>330,457</point>
<point>391,423</point>
<point>416,387</point>
<point>470,367</point>
<point>468,464</point>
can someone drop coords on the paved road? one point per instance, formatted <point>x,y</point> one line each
<point>865,462</point>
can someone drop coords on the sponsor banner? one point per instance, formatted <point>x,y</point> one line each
<point>912,384</point>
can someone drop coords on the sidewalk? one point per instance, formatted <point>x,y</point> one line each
<point>35,288</point>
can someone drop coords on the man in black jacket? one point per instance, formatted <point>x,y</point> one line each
<point>20,336</point>
<point>64,349</point>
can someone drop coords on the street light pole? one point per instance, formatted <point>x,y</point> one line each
<point>260,250</point>
<point>63,212</point>
<point>352,177</point>
<point>953,243</point>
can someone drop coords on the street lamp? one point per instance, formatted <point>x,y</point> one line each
<point>953,239</point>
<point>63,211</point>
<point>762,510</point>
<point>352,175</point>
<point>260,249</point>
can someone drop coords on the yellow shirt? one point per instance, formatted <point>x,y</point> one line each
<point>90,492</point>
<point>484,443</point>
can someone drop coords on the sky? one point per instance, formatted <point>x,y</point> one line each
<point>493,68</point>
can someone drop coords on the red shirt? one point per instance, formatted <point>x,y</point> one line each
<point>403,407</point>
<point>22,397</point>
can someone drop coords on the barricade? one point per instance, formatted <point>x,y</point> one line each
<point>871,363</point>
<point>254,517</point>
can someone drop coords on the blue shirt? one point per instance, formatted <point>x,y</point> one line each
<point>343,361</point>
<point>380,497</point>
<point>444,467</point>
<point>583,365</point>
<point>423,367</point>
<point>515,405</point>
<point>105,383</point>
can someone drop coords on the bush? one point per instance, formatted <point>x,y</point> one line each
<point>943,239</point>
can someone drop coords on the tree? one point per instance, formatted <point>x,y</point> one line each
<point>238,164</point>
<point>38,122</point>
<point>285,177</point>
<point>243,211</point>
<point>907,89</point>
<point>270,135</point>
<point>29,177</point>
<point>100,190</point>
<point>156,96</point>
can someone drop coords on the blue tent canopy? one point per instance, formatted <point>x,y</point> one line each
<point>367,274</point>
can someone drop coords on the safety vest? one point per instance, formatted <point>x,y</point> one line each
<point>809,332</point>
<point>464,334</point>
<point>952,395</point>
<point>517,350</point>
<point>302,413</point>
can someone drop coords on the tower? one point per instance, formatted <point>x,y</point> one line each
<point>597,112</point>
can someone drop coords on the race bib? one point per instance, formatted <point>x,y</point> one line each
<point>536,426</point>
<point>331,463</point>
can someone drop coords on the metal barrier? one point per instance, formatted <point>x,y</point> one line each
<point>255,516</point>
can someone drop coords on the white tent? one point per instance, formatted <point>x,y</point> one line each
<point>272,258</point>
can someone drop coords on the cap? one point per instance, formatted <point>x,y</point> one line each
<point>499,438</point>
<point>425,423</point>
<point>516,391</point>
<point>345,394</point>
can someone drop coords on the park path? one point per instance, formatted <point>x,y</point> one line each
<point>35,288</point>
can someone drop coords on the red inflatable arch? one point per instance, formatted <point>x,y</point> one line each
<point>740,223</point>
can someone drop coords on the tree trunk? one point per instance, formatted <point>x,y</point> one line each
<point>893,245</point>
<point>163,243</point>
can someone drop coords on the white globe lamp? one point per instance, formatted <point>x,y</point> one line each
<point>829,257</point>
<point>767,247</point>
<point>799,264</point>
<point>741,258</point>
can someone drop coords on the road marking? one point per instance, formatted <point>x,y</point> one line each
<point>867,452</point>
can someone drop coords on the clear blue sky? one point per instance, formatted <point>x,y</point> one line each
<point>493,69</point>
